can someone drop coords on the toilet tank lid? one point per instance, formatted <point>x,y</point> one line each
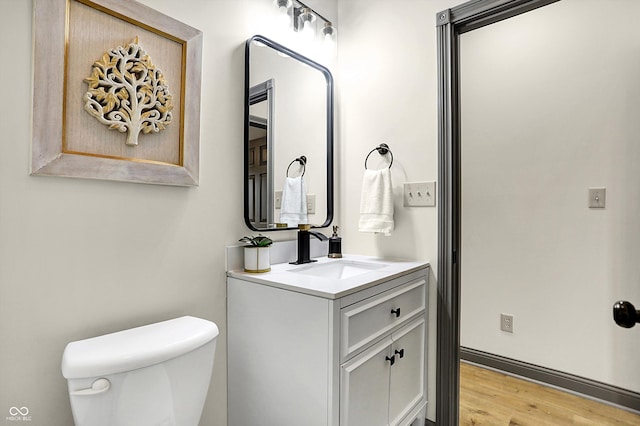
<point>136,348</point>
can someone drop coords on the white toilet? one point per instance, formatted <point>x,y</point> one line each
<point>155,375</point>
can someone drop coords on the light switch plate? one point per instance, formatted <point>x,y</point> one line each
<point>419,194</point>
<point>311,203</point>
<point>597,198</point>
<point>278,199</point>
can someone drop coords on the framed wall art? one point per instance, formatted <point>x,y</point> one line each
<point>116,93</point>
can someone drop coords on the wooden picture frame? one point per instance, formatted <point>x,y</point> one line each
<point>71,37</point>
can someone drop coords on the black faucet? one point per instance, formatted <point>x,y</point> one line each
<point>304,240</point>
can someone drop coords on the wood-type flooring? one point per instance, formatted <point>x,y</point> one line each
<point>490,398</point>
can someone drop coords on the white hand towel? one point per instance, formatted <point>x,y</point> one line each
<point>294,202</point>
<point>376,204</point>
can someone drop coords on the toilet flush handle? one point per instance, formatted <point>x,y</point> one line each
<point>98,386</point>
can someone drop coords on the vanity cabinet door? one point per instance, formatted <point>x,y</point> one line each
<point>407,380</point>
<point>365,387</point>
<point>384,383</point>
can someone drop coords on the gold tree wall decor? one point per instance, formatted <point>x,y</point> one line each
<point>128,93</point>
<point>84,88</point>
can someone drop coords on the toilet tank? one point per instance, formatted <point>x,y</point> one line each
<point>155,375</point>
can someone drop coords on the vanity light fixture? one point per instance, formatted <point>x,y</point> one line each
<point>304,19</point>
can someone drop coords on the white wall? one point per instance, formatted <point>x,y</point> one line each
<point>388,93</point>
<point>550,107</point>
<point>79,258</point>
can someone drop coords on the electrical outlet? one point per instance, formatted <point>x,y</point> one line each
<point>506,323</point>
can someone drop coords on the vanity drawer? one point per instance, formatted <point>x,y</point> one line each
<point>365,321</point>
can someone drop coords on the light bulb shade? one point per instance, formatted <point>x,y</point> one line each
<point>306,22</point>
<point>329,32</point>
<point>283,5</point>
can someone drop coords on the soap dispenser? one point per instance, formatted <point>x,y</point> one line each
<point>335,244</point>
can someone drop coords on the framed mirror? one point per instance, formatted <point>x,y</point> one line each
<point>288,138</point>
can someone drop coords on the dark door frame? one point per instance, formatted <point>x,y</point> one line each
<point>450,24</point>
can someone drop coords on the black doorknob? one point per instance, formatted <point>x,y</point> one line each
<point>625,314</point>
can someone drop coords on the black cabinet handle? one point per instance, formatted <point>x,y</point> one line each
<point>391,359</point>
<point>396,311</point>
<point>625,314</point>
<point>400,353</point>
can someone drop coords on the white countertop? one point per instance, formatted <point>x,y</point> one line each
<point>284,275</point>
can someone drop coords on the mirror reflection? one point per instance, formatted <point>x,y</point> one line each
<point>288,138</point>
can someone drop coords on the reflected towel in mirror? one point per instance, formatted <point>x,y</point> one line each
<point>294,202</point>
<point>376,203</point>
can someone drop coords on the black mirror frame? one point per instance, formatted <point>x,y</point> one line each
<point>450,24</point>
<point>329,147</point>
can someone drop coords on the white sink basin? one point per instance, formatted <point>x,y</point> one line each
<point>337,269</point>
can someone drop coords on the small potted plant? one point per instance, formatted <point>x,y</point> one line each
<point>256,253</point>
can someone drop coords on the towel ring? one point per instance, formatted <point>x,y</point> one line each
<point>383,149</point>
<point>303,162</point>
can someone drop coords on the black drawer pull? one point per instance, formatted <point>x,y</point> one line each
<point>400,353</point>
<point>391,359</point>
<point>396,311</point>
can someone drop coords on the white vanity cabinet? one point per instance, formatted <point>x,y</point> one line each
<point>352,356</point>
<point>384,383</point>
